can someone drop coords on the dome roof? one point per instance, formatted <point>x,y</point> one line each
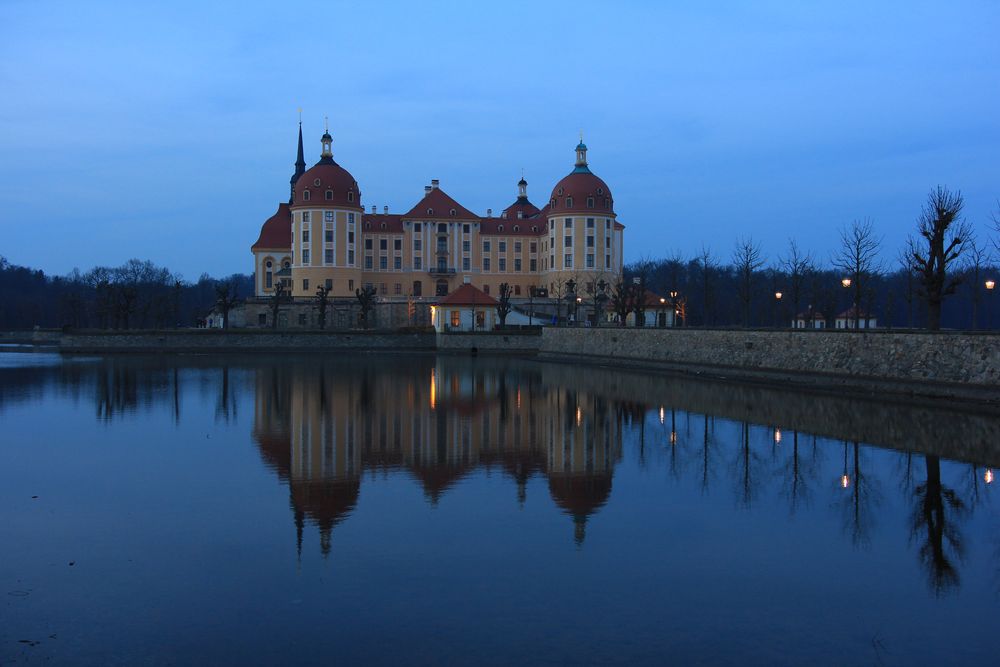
<point>327,176</point>
<point>276,232</point>
<point>573,193</point>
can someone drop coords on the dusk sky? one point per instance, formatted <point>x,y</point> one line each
<point>167,131</point>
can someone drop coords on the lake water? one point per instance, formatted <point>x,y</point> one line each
<point>442,510</point>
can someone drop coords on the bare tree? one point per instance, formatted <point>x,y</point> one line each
<point>748,258</point>
<point>503,304</point>
<point>597,290</point>
<point>322,303</point>
<point>366,301</point>
<point>943,234</point>
<point>977,258</point>
<point>621,299</point>
<point>857,258</point>
<point>798,265</point>
<point>277,298</point>
<point>225,299</point>
<point>709,266</point>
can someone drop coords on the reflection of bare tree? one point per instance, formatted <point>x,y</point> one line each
<point>862,495</point>
<point>117,389</point>
<point>934,513</point>
<point>226,405</point>
<point>744,468</point>
<point>797,473</point>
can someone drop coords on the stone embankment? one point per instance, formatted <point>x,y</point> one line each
<point>945,364</point>
<point>216,340</point>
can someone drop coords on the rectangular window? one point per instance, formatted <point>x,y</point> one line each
<point>503,246</point>
<point>590,241</point>
<point>569,223</point>
<point>568,241</point>
<point>350,237</point>
<point>568,261</point>
<point>517,263</point>
<point>350,285</point>
<point>590,223</point>
<point>305,257</point>
<point>465,229</point>
<point>456,318</point>
<point>261,319</point>
<point>328,283</point>
<point>417,263</point>
<point>305,216</point>
<point>502,264</point>
<point>368,261</point>
<point>607,261</point>
<point>350,218</point>
<point>397,288</point>
<point>517,290</point>
<point>532,247</point>
<point>350,258</point>
<point>305,284</point>
<point>382,289</point>
<point>328,256</point>
<point>383,263</point>
<point>383,244</point>
<point>416,245</point>
<point>416,227</point>
<point>328,216</point>
<point>268,280</point>
<point>328,236</point>
<point>517,247</point>
<point>465,263</point>
<point>486,263</point>
<point>533,264</point>
<point>442,228</point>
<point>305,235</point>
<point>368,244</point>
<point>397,244</point>
<point>590,261</point>
<point>397,262</point>
<point>466,246</point>
<point>442,243</point>
<point>486,246</point>
<point>607,223</point>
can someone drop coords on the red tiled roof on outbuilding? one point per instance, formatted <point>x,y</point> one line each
<point>468,295</point>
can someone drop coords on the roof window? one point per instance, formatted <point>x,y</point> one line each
<point>329,195</point>
<point>305,195</point>
<point>316,182</point>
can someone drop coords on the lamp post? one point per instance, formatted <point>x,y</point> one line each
<point>990,285</point>
<point>576,310</point>
<point>777,308</point>
<point>663,316</point>
<point>673,304</point>
<point>846,282</point>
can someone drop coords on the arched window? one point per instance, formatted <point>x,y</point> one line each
<point>590,202</point>
<point>499,228</point>
<point>305,195</point>
<point>430,211</point>
<point>329,195</point>
<point>516,228</point>
<point>452,213</point>
<point>569,202</point>
<point>607,204</point>
<point>534,228</point>
<point>560,192</point>
<point>268,264</point>
<point>383,225</point>
<point>553,202</point>
<point>350,196</point>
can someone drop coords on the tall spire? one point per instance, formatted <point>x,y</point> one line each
<point>300,163</point>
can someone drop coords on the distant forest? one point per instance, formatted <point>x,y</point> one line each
<point>137,294</point>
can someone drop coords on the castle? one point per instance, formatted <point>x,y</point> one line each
<point>324,237</point>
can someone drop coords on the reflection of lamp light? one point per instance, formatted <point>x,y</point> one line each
<point>988,477</point>
<point>846,282</point>
<point>518,398</point>
<point>673,437</point>
<point>579,415</point>
<point>990,284</point>
<point>845,481</point>
<point>433,390</point>
<point>777,436</point>
<point>778,295</point>
<point>661,414</point>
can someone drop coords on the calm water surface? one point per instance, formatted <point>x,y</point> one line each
<point>422,510</point>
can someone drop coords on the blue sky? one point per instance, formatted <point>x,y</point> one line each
<point>166,131</point>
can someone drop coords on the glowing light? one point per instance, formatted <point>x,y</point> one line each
<point>579,415</point>
<point>846,282</point>
<point>990,284</point>
<point>433,389</point>
<point>988,476</point>
<point>845,481</point>
<point>673,437</point>
<point>778,295</point>
<point>433,315</point>
<point>661,414</point>
<point>518,398</point>
<point>777,436</point>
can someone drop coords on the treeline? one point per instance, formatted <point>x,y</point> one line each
<point>136,295</point>
<point>942,276</point>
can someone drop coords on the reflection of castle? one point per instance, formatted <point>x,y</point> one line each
<point>320,425</point>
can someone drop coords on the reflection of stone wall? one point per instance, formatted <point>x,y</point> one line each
<point>964,436</point>
<point>940,364</point>
<point>217,340</point>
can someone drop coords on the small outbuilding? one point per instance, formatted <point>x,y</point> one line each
<point>846,319</point>
<point>809,319</point>
<point>468,308</point>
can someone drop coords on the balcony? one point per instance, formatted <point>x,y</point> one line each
<point>441,271</point>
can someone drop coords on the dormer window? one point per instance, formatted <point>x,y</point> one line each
<point>430,211</point>
<point>499,228</point>
<point>560,192</point>
<point>569,202</point>
<point>329,195</point>
<point>590,202</point>
<point>600,191</point>
<point>452,212</point>
<point>317,182</point>
<point>534,228</point>
<point>516,228</point>
<point>305,195</point>
<point>553,202</point>
<point>504,215</point>
<point>368,225</point>
<point>350,196</point>
<point>607,204</point>
<point>520,214</point>
<point>383,225</point>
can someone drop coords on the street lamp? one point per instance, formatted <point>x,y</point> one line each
<point>663,317</point>
<point>990,284</point>
<point>777,308</point>
<point>673,302</point>
<point>846,282</point>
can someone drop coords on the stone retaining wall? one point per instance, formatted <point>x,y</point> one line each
<point>241,341</point>
<point>938,364</point>
<point>494,342</point>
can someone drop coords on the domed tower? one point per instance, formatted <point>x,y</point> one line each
<point>326,227</point>
<point>584,236</point>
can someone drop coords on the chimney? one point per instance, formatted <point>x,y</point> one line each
<point>434,183</point>
<point>427,189</point>
<point>373,209</point>
<point>489,213</point>
<point>385,209</point>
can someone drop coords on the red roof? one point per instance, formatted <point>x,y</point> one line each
<point>327,176</point>
<point>581,185</point>
<point>276,232</point>
<point>393,223</point>
<point>492,227</point>
<point>850,313</point>
<point>525,207</point>
<point>436,205</point>
<point>468,295</point>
